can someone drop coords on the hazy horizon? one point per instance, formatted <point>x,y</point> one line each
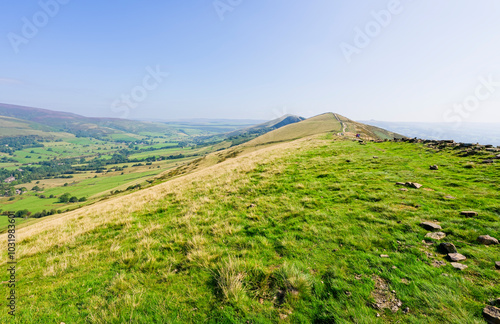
<point>396,61</point>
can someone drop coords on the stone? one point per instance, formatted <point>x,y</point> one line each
<point>495,302</point>
<point>497,265</point>
<point>434,167</point>
<point>400,184</point>
<point>413,185</point>
<point>491,314</point>
<point>383,297</point>
<point>448,247</point>
<point>437,264</point>
<point>488,161</point>
<point>456,257</point>
<point>252,206</point>
<point>487,240</point>
<point>403,189</point>
<point>469,213</point>
<point>449,197</point>
<point>406,310</point>
<point>497,157</point>
<point>384,256</point>
<point>430,226</point>
<point>436,235</point>
<point>458,266</point>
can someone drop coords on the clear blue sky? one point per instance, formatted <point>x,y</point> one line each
<point>263,59</point>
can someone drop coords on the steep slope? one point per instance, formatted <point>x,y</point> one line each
<point>288,233</point>
<point>80,125</point>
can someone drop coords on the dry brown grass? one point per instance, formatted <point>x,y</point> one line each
<point>59,230</point>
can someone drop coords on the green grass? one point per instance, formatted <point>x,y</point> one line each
<point>4,222</point>
<point>85,188</point>
<point>296,238</point>
<point>90,187</point>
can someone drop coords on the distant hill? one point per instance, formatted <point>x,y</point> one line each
<point>268,126</point>
<point>328,122</point>
<point>339,125</point>
<point>36,119</point>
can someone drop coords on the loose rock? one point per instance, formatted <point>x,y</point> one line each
<point>436,235</point>
<point>469,213</point>
<point>414,185</point>
<point>455,257</point>
<point>495,302</point>
<point>434,167</point>
<point>438,264</point>
<point>448,247</point>
<point>487,240</point>
<point>491,314</point>
<point>458,266</point>
<point>384,256</point>
<point>400,183</point>
<point>430,226</point>
<point>497,265</point>
<point>449,197</point>
<point>383,297</point>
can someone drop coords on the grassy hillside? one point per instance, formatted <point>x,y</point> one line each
<point>36,119</point>
<point>14,127</point>
<point>328,122</point>
<point>289,233</point>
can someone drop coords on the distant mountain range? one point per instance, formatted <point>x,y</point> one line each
<point>482,133</point>
<point>20,120</point>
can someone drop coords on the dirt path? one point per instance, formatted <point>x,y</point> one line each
<point>341,123</point>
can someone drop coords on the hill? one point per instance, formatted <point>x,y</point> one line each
<point>328,122</point>
<point>55,121</point>
<point>285,129</point>
<point>16,127</point>
<point>267,126</point>
<point>310,230</point>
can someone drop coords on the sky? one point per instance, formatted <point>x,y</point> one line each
<point>407,60</point>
